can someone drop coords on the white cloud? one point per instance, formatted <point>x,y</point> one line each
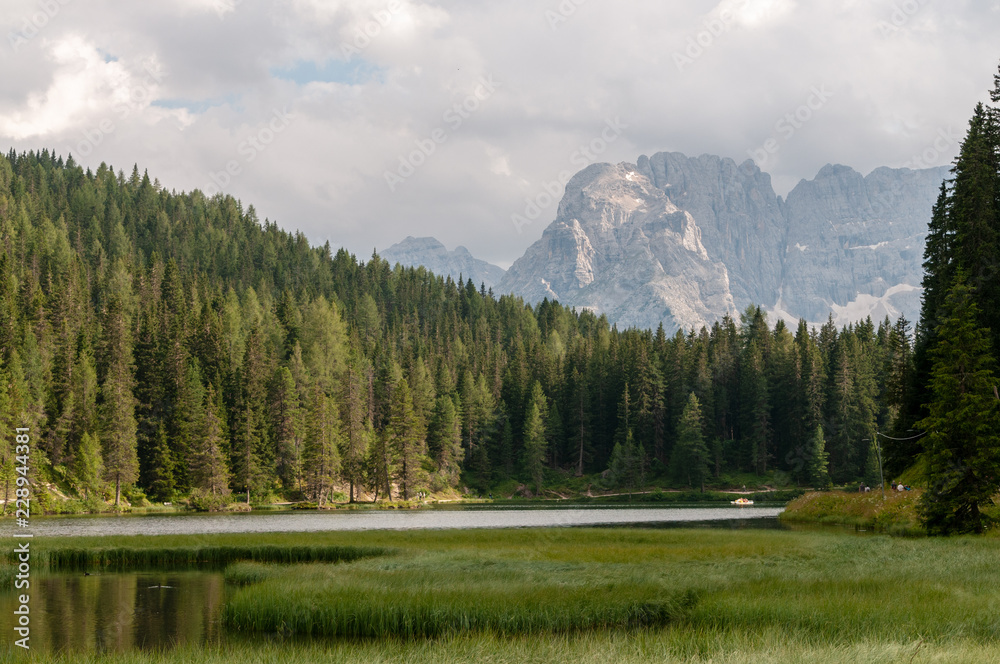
<point>324,174</point>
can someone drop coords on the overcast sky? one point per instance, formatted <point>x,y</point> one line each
<point>364,121</point>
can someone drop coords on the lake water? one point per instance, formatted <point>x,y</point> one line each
<point>122,611</point>
<point>469,516</point>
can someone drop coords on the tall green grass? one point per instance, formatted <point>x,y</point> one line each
<point>895,514</point>
<point>626,595</point>
<point>666,646</point>
<point>437,595</point>
<point>130,557</point>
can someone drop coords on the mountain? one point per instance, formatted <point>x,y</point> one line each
<point>428,252</point>
<point>686,240</point>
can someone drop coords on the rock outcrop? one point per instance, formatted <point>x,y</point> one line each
<point>684,241</point>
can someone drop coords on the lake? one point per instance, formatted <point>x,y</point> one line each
<point>465,516</point>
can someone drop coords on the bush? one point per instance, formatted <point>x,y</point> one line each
<point>203,501</point>
<point>135,496</point>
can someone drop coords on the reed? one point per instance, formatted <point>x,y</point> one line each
<point>421,600</point>
<point>133,557</point>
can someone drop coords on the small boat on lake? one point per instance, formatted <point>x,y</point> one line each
<point>742,501</point>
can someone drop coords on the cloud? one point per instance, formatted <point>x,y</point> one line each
<point>368,82</point>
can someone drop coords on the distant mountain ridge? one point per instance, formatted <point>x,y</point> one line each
<point>686,240</point>
<point>428,252</point>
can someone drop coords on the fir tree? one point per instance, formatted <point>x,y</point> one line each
<point>87,465</point>
<point>405,438</point>
<point>322,446</point>
<point>963,440</point>
<point>816,460</point>
<point>534,437</point>
<point>691,457</point>
<point>121,464</point>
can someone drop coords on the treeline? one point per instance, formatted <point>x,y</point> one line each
<point>954,403</point>
<point>175,343</point>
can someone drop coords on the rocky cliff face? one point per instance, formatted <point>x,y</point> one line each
<point>855,244</point>
<point>684,241</point>
<point>619,246</point>
<point>426,251</point>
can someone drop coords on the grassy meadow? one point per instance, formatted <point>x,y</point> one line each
<point>588,595</point>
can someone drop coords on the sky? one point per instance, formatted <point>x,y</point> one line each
<point>364,121</point>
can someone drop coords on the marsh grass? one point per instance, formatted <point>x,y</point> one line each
<point>623,595</point>
<point>663,646</point>
<point>135,557</point>
<point>438,595</point>
<point>897,514</point>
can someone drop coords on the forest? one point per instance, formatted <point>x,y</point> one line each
<point>167,344</point>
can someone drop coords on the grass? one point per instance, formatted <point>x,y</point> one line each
<point>828,587</point>
<point>623,595</point>
<point>439,595</point>
<point>896,514</point>
<point>123,553</point>
<point>665,646</point>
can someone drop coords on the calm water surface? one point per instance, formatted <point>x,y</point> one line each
<point>434,518</point>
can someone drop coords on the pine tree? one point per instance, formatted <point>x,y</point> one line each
<point>691,457</point>
<point>627,466</point>
<point>286,428</point>
<point>963,440</point>
<point>162,481</point>
<point>87,465</point>
<point>358,434</point>
<point>208,468</point>
<point>405,438</point>
<point>121,464</point>
<point>322,446</point>
<point>444,440</point>
<point>534,437</point>
<point>816,460</point>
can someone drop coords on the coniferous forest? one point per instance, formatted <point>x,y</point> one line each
<point>176,343</point>
<point>171,345</point>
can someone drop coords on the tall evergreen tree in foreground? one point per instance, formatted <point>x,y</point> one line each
<point>952,393</point>
<point>963,440</point>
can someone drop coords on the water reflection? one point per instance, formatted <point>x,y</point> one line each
<point>120,612</point>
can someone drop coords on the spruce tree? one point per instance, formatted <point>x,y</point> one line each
<point>816,460</point>
<point>691,457</point>
<point>208,468</point>
<point>963,440</point>
<point>534,437</point>
<point>121,463</point>
<point>406,440</point>
<point>321,454</point>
